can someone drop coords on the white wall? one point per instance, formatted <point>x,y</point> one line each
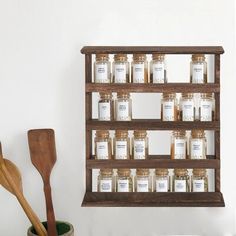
<point>42,85</point>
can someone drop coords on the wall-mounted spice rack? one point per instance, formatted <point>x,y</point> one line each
<point>204,199</point>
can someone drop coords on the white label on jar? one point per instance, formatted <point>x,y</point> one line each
<point>123,185</point>
<point>102,150</point>
<point>196,149</point>
<point>187,110</point>
<point>120,73</point>
<point>198,73</point>
<point>123,111</point>
<point>206,111</point>
<point>142,186</point>
<point>158,70</point>
<point>139,149</point>
<point>104,111</point>
<point>138,73</point>
<point>168,111</point>
<point>180,186</point>
<point>101,73</point>
<point>198,185</point>
<point>105,185</point>
<point>162,185</point>
<point>121,149</point>
<point>180,149</point>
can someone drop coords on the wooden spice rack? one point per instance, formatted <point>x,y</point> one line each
<point>209,199</point>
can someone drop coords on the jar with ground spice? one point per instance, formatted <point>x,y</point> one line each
<point>139,69</point>
<point>124,181</point>
<point>158,69</point>
<point>102,69</point>
<point>105,107</point>
<point>140,145</point>
<point>206,107</point>
<point>120,69</point>
<point>179,145</point>
<point>121,145</point>
<point>197,145</point>
<point>123,107</point>
<point>162,180</point>
<point>181,180</point>
<point>198,69</point>
<point>106,180</point>
<point>102,145</point>
<point>169,111</point>
<point>187,107</point>
<point>199,180</point>
<point>143,181</point>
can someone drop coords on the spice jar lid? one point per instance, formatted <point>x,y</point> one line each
<point>102,56</point>
<point>142,172</point>
<point>124,172</point>
<point>187,95</point>
<point>121,133</point>
<point>106,171</point>
<point>123,94</point>
<point>139,57</point>
<point>181,171</point>
<point>206,95</point>
<point>140,133</point>
<point>168,95</point>
<point>158,56</point>
<point>120,57</point>
<point>197,133</point>
<point>102,133</point>
<point>161,171</point>
<point>105,95</point>
<point>179,132</point>
<point>199,172</point>
<point>198,57</point>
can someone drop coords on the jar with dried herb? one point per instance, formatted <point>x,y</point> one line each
<point>123,107</point>
<point>206,107</point>
<point>169,110</point>
<point>198,69</point>
<point>143,181</point>
<point>181,180</point>
<point>162,180</point>
<point>120,69</point>
<point>140,145</point>
<point>121,145</point>
<point>187,107</point>
<point>179,144</point>
<point>139,69</point>
<point>124,181</point>
<point>199,180</point>
<point>106,180</point>
<point>103,145</point>
<point>158,69</point>
<point>105,107</point>
<point>197,145</point>
<point>102,69</point>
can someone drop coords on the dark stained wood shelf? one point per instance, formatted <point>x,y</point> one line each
<point>154,88</point>
<point>210,199</point>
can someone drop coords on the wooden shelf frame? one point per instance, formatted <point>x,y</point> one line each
<point>210,199</point>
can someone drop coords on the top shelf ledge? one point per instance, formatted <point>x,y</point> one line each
<point>153,49</point>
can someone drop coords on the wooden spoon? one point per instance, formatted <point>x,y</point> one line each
<point>43,156</point>
<point>10,179</point>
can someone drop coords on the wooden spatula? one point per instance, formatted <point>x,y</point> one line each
<point>43,156</point>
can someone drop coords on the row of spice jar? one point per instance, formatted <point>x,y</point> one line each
<point>190,107</point>
<point>160,182</point>
<point>122,146</point>
<point>139,69</point>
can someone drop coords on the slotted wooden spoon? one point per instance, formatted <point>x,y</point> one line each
<point>43,156</point>
<point>10,179</point>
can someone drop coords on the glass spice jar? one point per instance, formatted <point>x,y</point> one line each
<point>197,145</point>
<point>105,107</point>
<point>124,181</point>
<point>198,69</point>
<point>162,180</point>
<point>181,180</point>
<point>120,69</point>
<point>140,145</point>
<point>187,107</point>
<point>121,145</point>
<point>158,69</point>
<point>102,68</point>
<point>206,107</point>
<point>102,145</point>
<point>139,69</point>
<point>199,180</point>
<point>169,111</point>
<point>105,180</point>
<point>178,145</point>
<point>143,181</point>
<point>123,107</point>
